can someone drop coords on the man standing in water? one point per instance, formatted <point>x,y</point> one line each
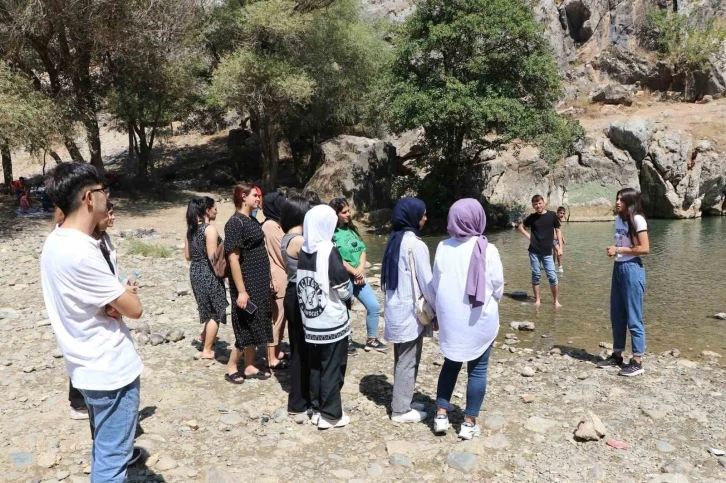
<point>545,227</point>
<point>85,303</point>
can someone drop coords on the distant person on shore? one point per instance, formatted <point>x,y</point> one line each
<point>271,208</point>
<point>468,281</point>
<point>292,217</point>
<point>19,186</point>
<point>402,327</point>
<point>561,213</point>
<point>324,292</point>
<point>628,283</point>
<point>250,285</point>
<point>350,244</point>
<point>85,304</point>
<point>200,244</point>
<point>545,227</point>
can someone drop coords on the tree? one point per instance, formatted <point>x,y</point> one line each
<point>156,71</point>
<point>298,70</point>
<point>467,69</point>
<point>28,119</point>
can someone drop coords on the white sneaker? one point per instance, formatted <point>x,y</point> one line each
<point>469,431</point>
<point>334,423</point>
<point>315,418</point>
<point>413,416</point>
<point>418,406</point>
<point>79,414</point>
<point>561,269</point>
<point>441,424</point>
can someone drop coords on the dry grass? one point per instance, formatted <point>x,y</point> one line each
<point>137,247</point>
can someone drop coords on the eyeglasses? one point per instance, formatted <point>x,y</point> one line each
<point>106,191</point>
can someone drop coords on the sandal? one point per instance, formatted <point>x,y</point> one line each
<point>281,365</point>
<point>285,357</point>
<point>259,375</point>
<point>235,378</point>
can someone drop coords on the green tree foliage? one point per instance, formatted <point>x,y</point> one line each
<point>156,70</point>
<point>28,119</point>
<point>298,72</point>
<point>468,72</point>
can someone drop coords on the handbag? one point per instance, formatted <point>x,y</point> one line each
<point>424,312</point>
<point>219,261</point>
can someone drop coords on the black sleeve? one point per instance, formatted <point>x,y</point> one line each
<point>528,221</point>
<point>232,235</point>
<point>337,273</point>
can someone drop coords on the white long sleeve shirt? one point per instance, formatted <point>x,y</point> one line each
<point>400,311</point>
<point>466,332</point>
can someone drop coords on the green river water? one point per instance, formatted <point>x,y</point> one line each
<point>686,285</point>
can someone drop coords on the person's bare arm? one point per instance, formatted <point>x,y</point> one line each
<point>239,282</point>
<point>560,241</point>
<point>293,248</point>
<point>211,237</point>
<point>362,265</point>
<point>187,253</point>
<point>128,305</point>
<point>642,247</point>
<point>523,230</point>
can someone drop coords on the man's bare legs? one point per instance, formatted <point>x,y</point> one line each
<point>556,295</point>
<point>537,300</point>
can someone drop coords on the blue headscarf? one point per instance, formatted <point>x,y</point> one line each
<point>406,216</point>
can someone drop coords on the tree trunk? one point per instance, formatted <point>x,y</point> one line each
<point>142,150</point>
<point>93,137</point>
<point>270,153</point>
<point>7,167</point>
<point>73,150</point>
<point>55,156</point>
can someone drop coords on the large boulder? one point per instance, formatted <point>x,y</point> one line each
<point>679,180</point>
<point>633,135</point>
<point>356,168</point>
<point>615,94</point>
<point>627,67</point>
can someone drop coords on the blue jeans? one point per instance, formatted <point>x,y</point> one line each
<point>549,266</point>
<point>364,293</point>
<point>626,305</point>
<point>476,386</point>
<point>114,415</point>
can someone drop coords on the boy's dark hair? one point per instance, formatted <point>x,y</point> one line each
<point>561,208</point>
<point>67,180</point>
<point>536,198</point>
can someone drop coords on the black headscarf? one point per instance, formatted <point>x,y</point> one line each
<point>406,216</point>
<point>272,205</point>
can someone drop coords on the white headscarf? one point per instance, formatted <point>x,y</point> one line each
<point>318,230</point>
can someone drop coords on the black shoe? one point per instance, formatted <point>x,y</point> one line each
<point>632,369</point>
<point>612,361</point>
<point>351,349</point>
<point>376,345</point>
<point>135,456</point>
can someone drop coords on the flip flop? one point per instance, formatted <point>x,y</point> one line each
<point>259,375</point>
<point>281,365</point>
<point>208,358</point>
<point>235,378</point>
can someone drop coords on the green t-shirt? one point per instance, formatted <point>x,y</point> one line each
<point>350,245</point>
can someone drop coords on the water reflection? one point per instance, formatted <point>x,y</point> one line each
<point>685,286</point>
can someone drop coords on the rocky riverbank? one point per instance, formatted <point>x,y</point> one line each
<point>197,427</point>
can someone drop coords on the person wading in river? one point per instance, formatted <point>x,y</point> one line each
<point>545,227</point>
<point>628,284</point>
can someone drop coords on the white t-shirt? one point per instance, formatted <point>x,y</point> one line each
<point>621,235</point>
<point>465,332</point>
<point>77,285</point>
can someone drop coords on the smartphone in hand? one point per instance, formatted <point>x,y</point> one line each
<point>251,308</point>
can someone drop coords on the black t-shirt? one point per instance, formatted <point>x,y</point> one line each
<point>543,231</point>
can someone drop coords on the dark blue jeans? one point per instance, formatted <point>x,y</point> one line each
<point>626,305</point>
<point>476,386</point>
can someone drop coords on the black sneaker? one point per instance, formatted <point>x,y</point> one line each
<point>376,345</point>
<point>135,456</point>
<point>632,369</point>
<point>612,361</point>
<point>352,350</point>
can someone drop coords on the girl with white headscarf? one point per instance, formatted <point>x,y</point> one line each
<point>323,290</point>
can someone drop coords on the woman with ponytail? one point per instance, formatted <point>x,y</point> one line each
<point>200,244</point>
<point>628,284</point>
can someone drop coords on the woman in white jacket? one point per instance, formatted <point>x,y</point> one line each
<point>468,282</point>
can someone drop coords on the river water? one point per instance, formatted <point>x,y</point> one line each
<point>686,285</point>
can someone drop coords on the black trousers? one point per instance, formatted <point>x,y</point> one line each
<point>327,374</point>
<point>298,400</point>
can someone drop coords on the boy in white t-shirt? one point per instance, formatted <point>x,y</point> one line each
<point>85,303</point>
